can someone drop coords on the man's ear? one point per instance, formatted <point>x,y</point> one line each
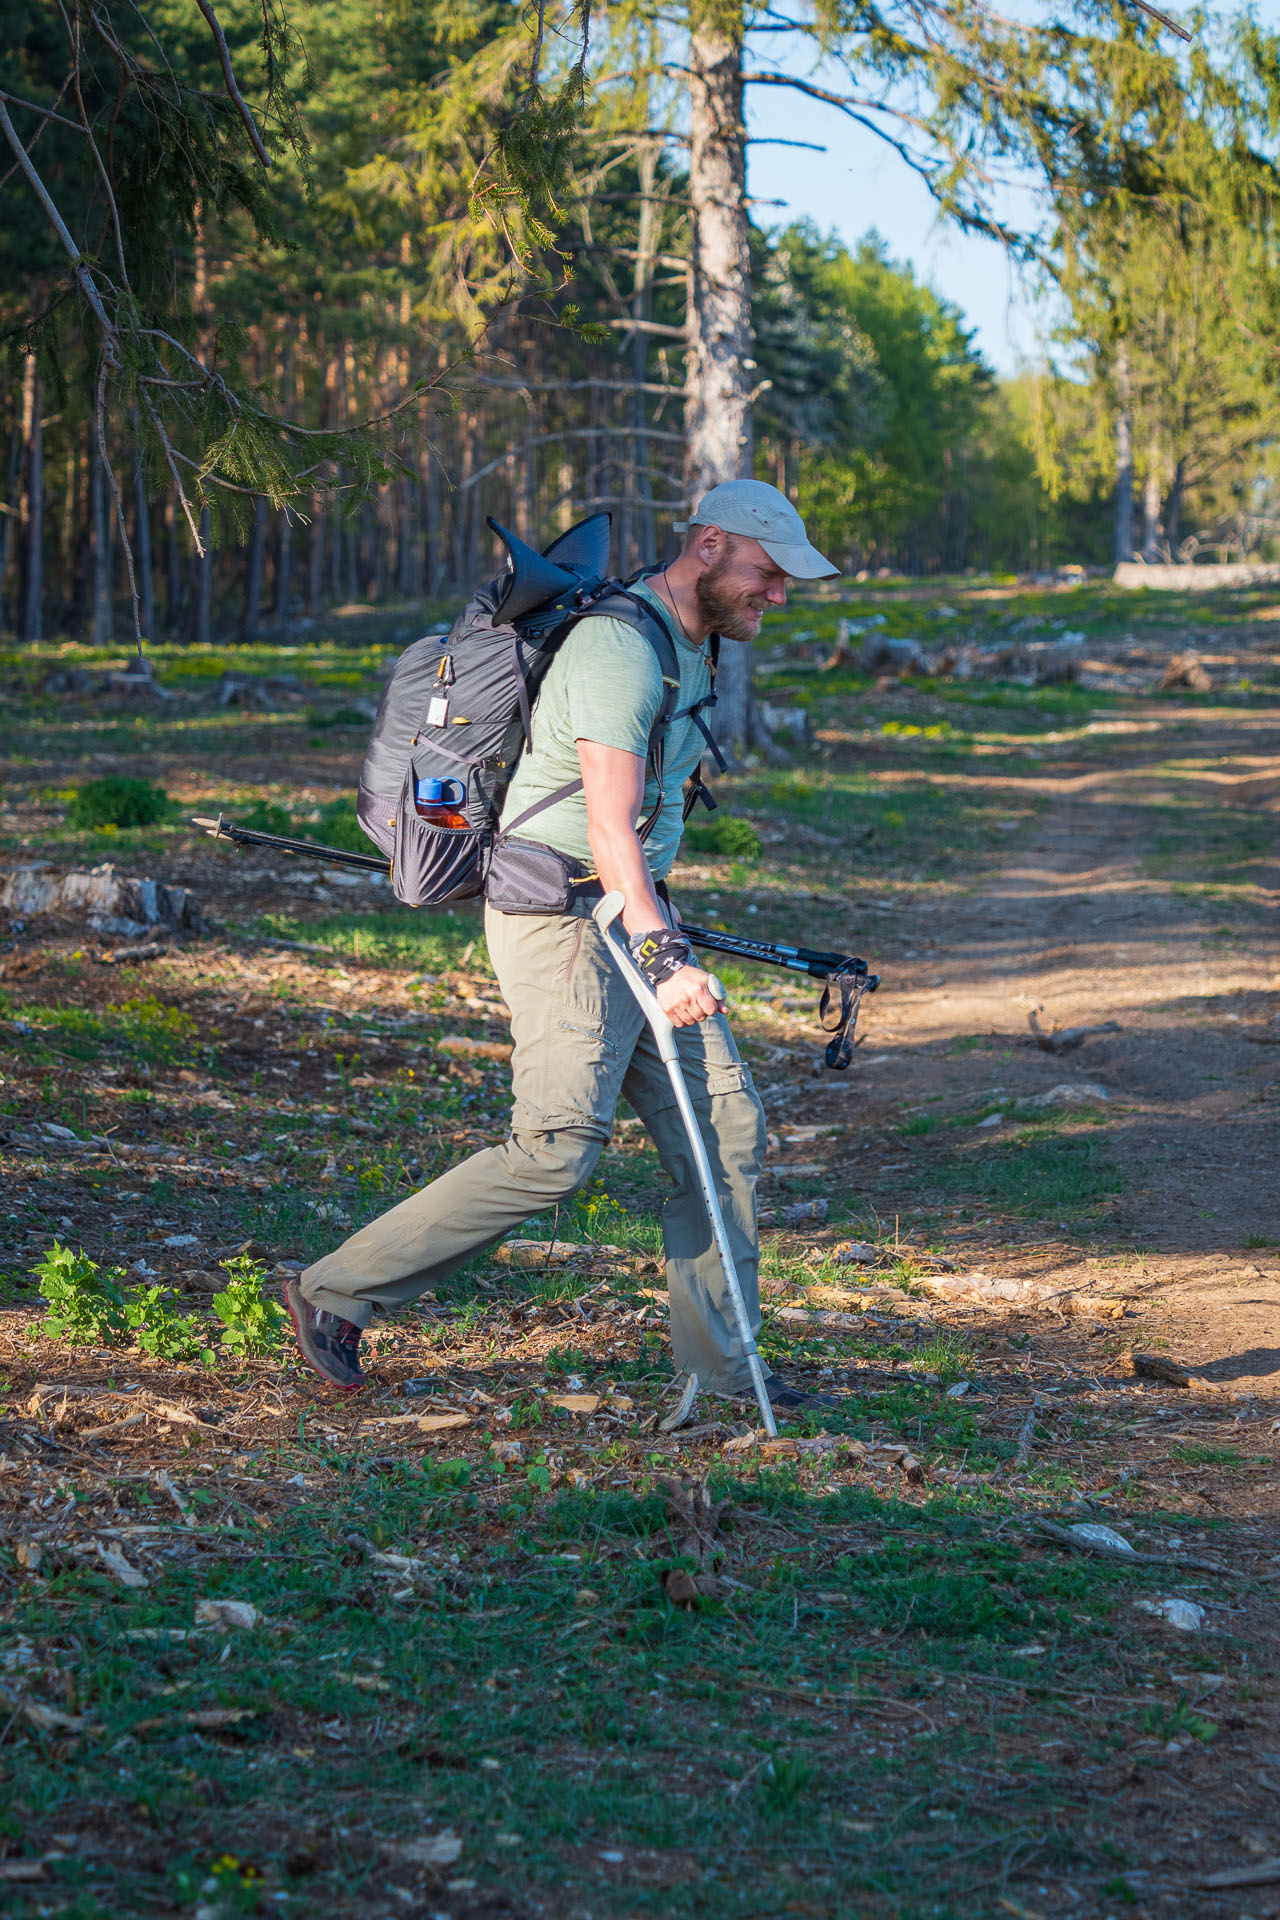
<point>711,545</point>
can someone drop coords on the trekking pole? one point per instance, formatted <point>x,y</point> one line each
<point>664,1033</point>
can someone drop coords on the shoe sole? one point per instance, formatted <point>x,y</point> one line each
<point>308,1360</point>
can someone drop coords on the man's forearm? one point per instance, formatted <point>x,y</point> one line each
<point>621,865</point>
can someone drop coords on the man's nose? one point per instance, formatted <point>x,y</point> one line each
<point>777,594</point>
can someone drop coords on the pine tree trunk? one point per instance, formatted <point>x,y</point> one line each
<point>142,555</point>
<point>32,625</point>
<point>284,558</point>
<point>14,490</point>
<point>1124,461</point>
<point>250,619</point>
<point>100,536</point>
<point>172,564</point>
<point>718,444</point>
<point>202,624</point>
<point>1173,509</point>
<point>1151,505</point>
<point>643,552</point>
<point>315,558</point>
<point>435,561</point>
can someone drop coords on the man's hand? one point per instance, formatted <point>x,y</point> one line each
<point>687,998</point>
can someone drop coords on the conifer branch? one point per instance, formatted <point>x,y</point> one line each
<point>229,81</point>
<point>59,225</point>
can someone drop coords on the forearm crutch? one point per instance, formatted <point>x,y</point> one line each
<point>665,1034</point>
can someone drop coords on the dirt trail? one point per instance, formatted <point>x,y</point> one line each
<point>1090,919</point>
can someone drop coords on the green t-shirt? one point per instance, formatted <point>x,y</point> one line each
<point>605,685</point>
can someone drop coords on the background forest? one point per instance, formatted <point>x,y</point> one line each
<point>520,347</point>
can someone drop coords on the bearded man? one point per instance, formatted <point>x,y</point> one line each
<point>585,795</point>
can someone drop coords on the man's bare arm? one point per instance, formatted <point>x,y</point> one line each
<point>613,787</point>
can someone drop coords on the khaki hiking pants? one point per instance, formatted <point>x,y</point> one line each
<point>581,1041</point>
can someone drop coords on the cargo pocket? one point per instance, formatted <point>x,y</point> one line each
<point>435,864</point>
<point>729,1077</point>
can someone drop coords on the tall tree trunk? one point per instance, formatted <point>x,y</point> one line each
<point>142,556</point>
<point>202,623</point>
<point>250,618</point>
<point>643,551</point>
<point>1173,509</point>
<point>172,563</point>
<point>435,560</point>
<point>100,536</point>
<point>32,625</point>
<point>718,364</point>
<point>14,494</point>
<point>315,558</point>
<point>284,542</point>
<point>1124,459</point>
<point>1151,504</point>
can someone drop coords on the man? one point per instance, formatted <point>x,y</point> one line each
<point>581,1039</point>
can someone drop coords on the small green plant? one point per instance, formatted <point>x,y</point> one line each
<point>253,1324</point>
<point>264,817</point>
<point>724,835</point>
<point>161,1332</point>
<point>117,801</point>
<point>86,1306</point>
<point>91,1308</point>
<point>538,1474</point>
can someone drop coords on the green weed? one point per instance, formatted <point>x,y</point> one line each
<point>117,801</point>
<point>254,1324</point>
<point>90,1308</point>
<point>947,1356</point>
<point>1199,1454</point>
<point>724,834</point>
<point>265,817</point>
<point>86,1306</point>
<point>162,1332</point>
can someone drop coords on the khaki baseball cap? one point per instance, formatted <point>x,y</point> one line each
<point>759,512</point>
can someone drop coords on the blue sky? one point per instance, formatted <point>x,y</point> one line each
<point>860,183</point>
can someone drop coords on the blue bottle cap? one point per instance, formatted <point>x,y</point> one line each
<point>430,791</point>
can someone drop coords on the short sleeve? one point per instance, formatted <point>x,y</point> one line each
<point>613,685</point>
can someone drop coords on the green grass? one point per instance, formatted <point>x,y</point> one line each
<point>772,1752</point>
<point>1200,1454</point>
<point>433,941</point>
<point>1037,1175</point>
<point>144,1029</point>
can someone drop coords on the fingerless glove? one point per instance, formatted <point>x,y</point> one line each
<point>660,954</point>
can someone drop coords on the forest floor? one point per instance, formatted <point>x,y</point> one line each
<point>495,1653</point>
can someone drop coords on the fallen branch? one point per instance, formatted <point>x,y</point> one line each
<point>1065,1039</point>
<point>1063,1537</point>
<point>1026,1438</point>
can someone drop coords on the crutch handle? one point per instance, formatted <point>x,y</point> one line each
<point>604,913</point>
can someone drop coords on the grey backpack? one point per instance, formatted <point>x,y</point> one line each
<point>458,708</point>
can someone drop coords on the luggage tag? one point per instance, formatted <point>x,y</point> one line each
<point>438,704</point>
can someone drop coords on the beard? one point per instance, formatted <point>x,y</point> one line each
<point>730,614</point>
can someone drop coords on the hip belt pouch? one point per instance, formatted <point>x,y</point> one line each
<point>526,877</point>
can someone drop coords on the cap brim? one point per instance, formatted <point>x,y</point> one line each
<point>800,562</point>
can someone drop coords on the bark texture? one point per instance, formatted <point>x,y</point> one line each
<point>1124,462</point>
<point>718,362</point>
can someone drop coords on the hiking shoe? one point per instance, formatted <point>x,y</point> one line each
<point>330,1346</point>
<point>785,1399</point>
